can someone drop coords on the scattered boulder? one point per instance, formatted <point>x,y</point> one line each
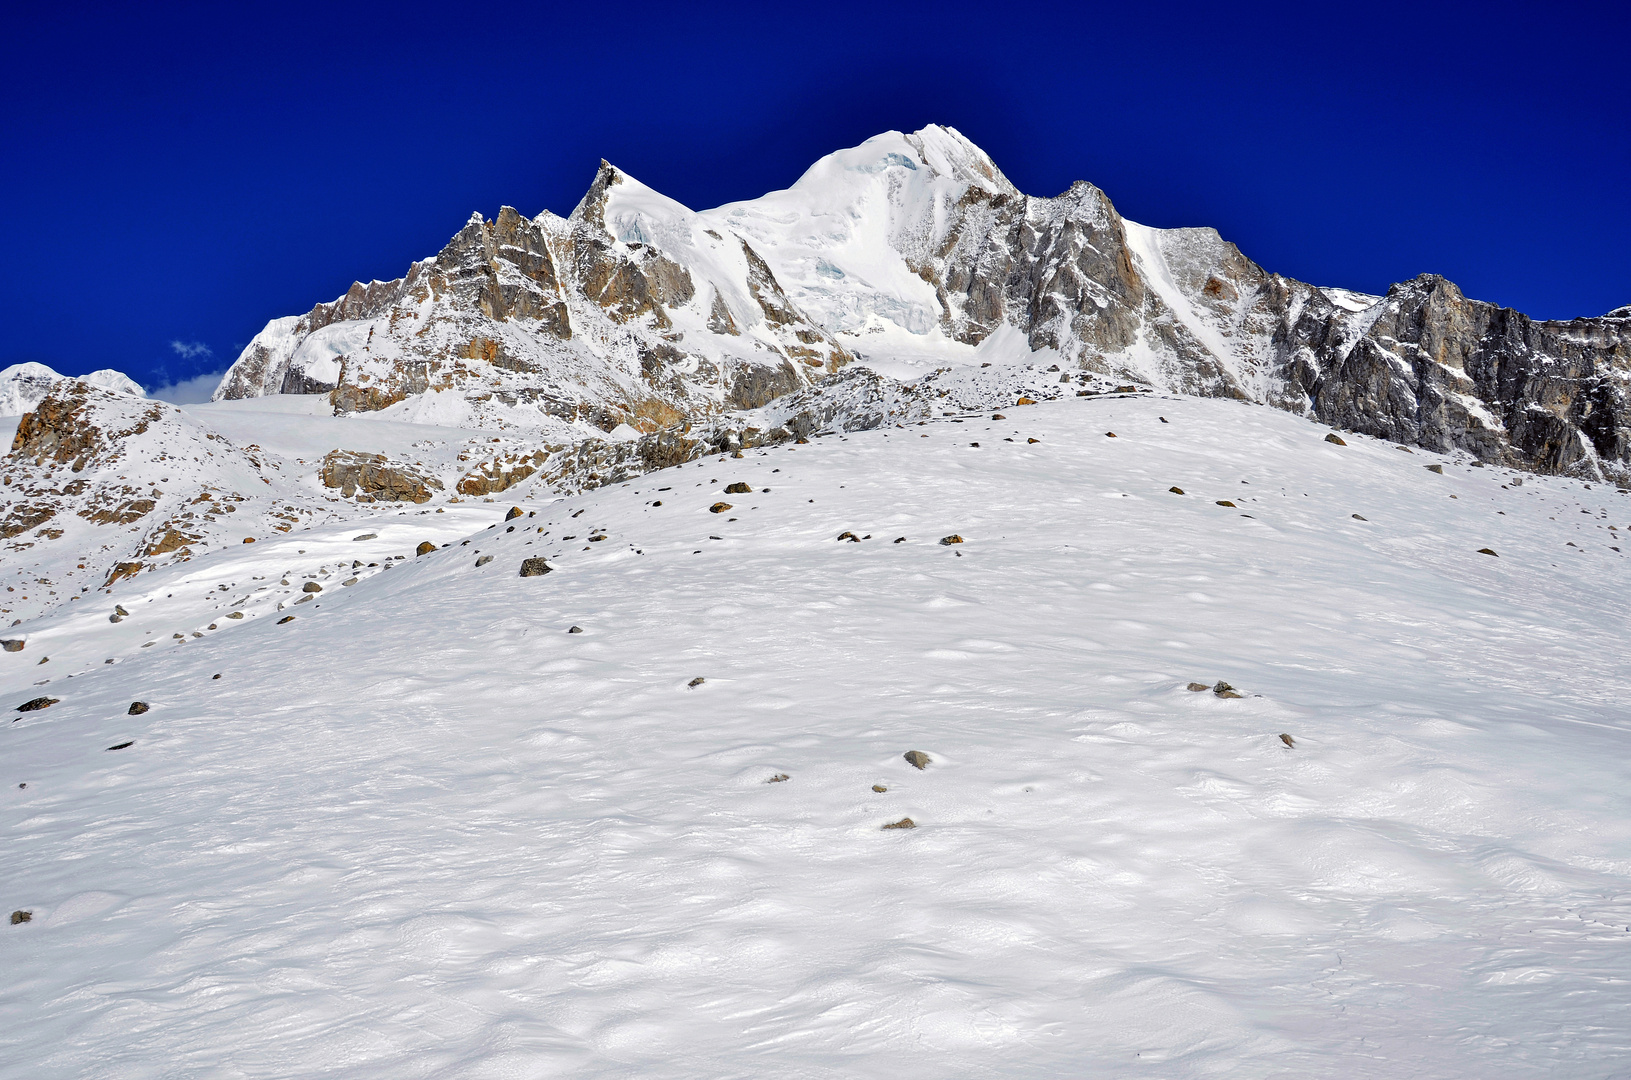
<point>1176,490</point>
<point>1435,467</point>
<point>952,539</point>
<point>1288,740</point>
<point>119,609</point>
<point>116,618</point>
<point>122,746</point>
<point>365,536</point>
<point>1197,687</point>
<point>12,644</point>
<point>849,536</point>
<point>575,630</point>
<point>286,618</point>
<point>424,549</point>
<point>898,540</point>
<point>998,416</point>
<point>1360,517</point>
<point>484,560</point>
<point>535,567</point>
<point>515,512</point>
<point>738,488</point>
<point>249,539</point>
<point>719,507</point>
<point>137,708</point>
<point>696,682</point>
<point>348,582</point>
<point>1033,440</point>
<point>21,917</point>
<point>780,777</point>
<point>1110,435</point>
<point>36,704</point>
<point>917,759</point>
<point>1224,690</point>
<point>1334,439</point>
<point>879,788</point>
<point>311,586</point>
<point>1487,551</point>
<point>239,614</point>
<point>1226,502</point>
<point>1125,390</point>
<point>1025,401</point>
<point>906,822</point>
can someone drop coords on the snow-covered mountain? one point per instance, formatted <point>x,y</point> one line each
<point>895,280</point>
<point>914,252</point>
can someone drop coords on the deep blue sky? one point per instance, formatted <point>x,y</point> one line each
<point>182,173</point>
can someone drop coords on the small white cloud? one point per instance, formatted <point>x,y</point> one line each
<point>193,391</point>
<point>189,350</point>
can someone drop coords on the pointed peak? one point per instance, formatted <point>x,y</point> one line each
<point>591,209</point>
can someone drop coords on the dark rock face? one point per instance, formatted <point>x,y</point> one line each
<point>1423,365</point>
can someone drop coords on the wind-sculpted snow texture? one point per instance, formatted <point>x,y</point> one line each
<point>417,828</point>
<point>636,310</point>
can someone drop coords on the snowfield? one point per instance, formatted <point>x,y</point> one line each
<point>422,830</point>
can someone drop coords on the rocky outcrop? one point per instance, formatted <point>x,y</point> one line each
<point>371,477</point>
<point>100,485</point>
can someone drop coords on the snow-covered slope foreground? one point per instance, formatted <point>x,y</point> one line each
<point>422,830</point>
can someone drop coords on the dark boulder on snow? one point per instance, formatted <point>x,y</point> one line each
<point>137,708</point>
<point>18,917</point>
<point>36,704</point>
<point>1334,439</point>
<point>515,512</point>
<point>1288,740</point>
<point>738,488</point>
<point>424,549</point>
<point>917,759</point>
<point>903,823</point>
<point>311,586</point>
<point>534,567</point>
<point>1197,687</point>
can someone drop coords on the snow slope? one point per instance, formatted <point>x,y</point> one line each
<point>423,831</point>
